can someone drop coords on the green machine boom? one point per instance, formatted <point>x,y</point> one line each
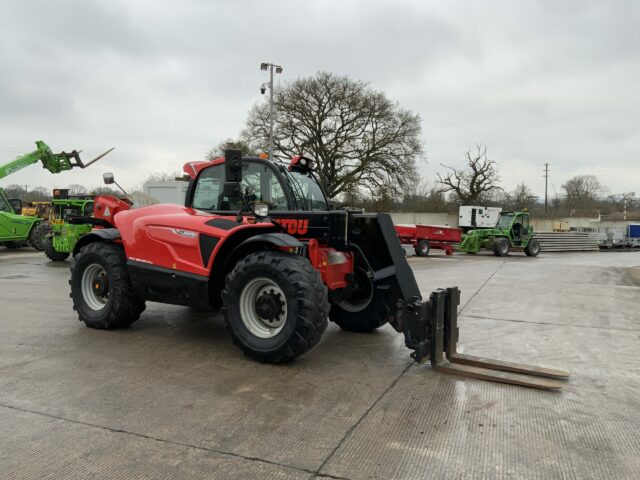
<point>513,232</point>
<point>15,229</point>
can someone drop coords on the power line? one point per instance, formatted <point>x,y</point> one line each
<point>546,181</point>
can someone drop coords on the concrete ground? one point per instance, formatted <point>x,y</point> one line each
<point>171,397</point>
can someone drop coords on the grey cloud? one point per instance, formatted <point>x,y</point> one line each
<point>162,81</point>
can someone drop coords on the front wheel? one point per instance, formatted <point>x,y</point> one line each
<point>533,248</point>
<point>275,306</point>
<point>51,252</point>
<point>39,235</point>
<point>101,289</point>
<point>501,247</point>
<point>364,309</point>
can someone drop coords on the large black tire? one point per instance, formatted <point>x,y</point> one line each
<point>501,247</point>
<point>364,311</point>
<point>422,248</point>
<point>51,252</point>
<point>294,309</point>
<point>39,235</point>
<point>533,248</point>
<point>112,303</point>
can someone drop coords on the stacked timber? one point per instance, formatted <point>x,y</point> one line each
<point>568,241</point>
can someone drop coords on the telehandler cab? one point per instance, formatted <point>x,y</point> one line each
<point>258,239</point>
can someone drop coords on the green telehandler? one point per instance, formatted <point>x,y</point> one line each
<point>17,230</point>
<point>512,232</point>
<point>66,223</point>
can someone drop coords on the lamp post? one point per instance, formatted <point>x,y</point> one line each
<point>264,66</point>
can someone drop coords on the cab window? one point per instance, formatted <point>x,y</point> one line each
<point>209,188</point>
<point>259,184</point>
<point>4,205</point>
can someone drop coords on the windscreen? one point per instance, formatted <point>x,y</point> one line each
<point>306,191</point>
<point>504,221</point>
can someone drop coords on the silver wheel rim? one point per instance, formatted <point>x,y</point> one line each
<point>93,299</point>
<point>258,326</point>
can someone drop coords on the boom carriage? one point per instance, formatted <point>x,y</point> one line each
<point>259,240</point>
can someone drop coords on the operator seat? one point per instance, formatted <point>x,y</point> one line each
<point>517,231</point>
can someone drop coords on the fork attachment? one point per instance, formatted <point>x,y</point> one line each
<point>431,330</point>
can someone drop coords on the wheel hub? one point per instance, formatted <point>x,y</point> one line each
<point>100,286</point>
<point>263,307</point>
<point>269,306</point>
<point>360,293</point>
<point>95,286</point>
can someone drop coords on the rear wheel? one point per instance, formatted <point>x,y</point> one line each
<point>422,248</point>
<point>533,248</point>
<point>275,306</point>
<point>51,252</point>
<point>39,235</point>
<point>365,309</point>
<point>501,247</point>
<point>101,289</point>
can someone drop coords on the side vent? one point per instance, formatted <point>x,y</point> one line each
<point>207,244</point>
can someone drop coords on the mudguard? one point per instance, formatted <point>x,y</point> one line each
<point>101,235</point>
<point>277,239</point>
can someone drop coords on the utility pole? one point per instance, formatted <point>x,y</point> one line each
<point>546,181</point>
<point>264,66</point>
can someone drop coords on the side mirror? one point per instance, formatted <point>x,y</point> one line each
<point>232,174</point>
<point>233,166</point>
<point>109,180</point>
<point>16,205</point>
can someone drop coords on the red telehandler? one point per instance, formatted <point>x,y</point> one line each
<point>259,240</point>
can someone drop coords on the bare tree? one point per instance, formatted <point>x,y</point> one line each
<point>626,200</point>
<point>425,196</point>
<point>16,191</point>
<point>105,191</point>
<point>39,194</point>
<point>244,146</point>
<point>164,176</point>
<point>360,139</point>
<point>582,191</point>
<point>26,194</point>
<point>76,189</point>
<point>478,178</point>
<point>521,197</point>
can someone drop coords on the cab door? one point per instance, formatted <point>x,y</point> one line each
<point>518,228</point>
<point>12,226</point>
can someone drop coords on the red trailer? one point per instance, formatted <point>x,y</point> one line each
<point>425,237</point>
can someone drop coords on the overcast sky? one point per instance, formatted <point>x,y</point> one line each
<point>537,81</point>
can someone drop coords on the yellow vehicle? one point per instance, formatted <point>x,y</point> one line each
<point>37,209</point>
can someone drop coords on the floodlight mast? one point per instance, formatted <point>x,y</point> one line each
<point>264,66</point>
